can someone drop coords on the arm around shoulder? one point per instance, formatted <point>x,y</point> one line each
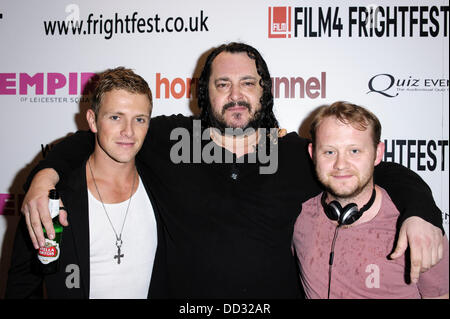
<point>66,155</point>
<point>409,192</point>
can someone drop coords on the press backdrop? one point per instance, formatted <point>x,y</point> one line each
<point>390,58</point>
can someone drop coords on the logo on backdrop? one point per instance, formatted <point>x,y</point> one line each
<point>371,21</point>
<point>287,87</point>
<point>10,204</point>
<point>119,23</point>
<point>279,22</point>
<point>419,155</point>
<point>48,87</point>
<point>391,86</point>
<point>75,87</point>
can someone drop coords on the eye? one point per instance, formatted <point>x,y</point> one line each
<point>114,117</point>
<point>328,153</point>
<point>249,83</point>
<point>221,85</point>
<point>141,120</point>
<point>355,151</point>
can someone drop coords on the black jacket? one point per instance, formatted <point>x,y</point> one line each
<point>24,277</point>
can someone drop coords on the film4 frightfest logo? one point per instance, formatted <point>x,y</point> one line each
<point>279,21</point>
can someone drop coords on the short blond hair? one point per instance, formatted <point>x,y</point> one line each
<point>348,113</point>
<point>119,78</point>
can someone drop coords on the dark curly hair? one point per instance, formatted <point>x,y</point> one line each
<point>267,118</point>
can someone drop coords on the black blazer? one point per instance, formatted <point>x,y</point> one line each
<point>23,278</point>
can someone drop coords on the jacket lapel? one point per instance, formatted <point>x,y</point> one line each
<point>75,200</point>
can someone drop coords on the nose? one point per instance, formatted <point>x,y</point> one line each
<point>127,129</point>
<point>235,93</point>
<point>340,162</point>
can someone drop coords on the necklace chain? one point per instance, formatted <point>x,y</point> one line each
<point>118,237</point>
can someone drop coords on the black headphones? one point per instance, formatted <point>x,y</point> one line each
<point>347,215</point>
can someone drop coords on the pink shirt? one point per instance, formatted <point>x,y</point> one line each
<point>361,268</point>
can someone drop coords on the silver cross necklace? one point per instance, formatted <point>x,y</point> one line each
<point>118,236</point>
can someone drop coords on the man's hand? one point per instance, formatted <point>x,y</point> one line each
<point>281,132</point>
<point>425,244</point>
<point>35,207</point>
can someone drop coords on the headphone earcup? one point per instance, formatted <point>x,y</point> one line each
<point>349,214</point>
<point>333,210</point>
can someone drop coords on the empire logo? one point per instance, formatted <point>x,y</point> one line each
<point>279,22</point>
<point>7,204</point>
<point>47,83</point>
<point>10,204</point>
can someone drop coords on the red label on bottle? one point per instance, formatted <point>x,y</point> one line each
<point>48,252</point>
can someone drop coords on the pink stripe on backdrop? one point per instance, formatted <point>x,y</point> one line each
<point>7,206</point>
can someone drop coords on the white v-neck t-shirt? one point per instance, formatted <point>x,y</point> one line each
<point>131,278</point>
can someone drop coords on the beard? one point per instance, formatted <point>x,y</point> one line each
<point>218,121</point>
<point>347,193</point>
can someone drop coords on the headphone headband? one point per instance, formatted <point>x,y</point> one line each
<point>347,215</point>
<point>370,202</point>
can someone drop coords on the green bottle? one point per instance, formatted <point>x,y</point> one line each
<point>49,254</point>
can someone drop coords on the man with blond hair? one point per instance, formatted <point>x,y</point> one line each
<point>108,249</point>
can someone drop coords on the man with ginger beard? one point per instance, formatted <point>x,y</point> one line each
<point>345,149</point>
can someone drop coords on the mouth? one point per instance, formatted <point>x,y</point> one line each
<point>342,177</point>
<point>236,107</point>
<point>125,144</point>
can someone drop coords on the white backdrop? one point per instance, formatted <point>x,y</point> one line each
<point>400,72</point>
